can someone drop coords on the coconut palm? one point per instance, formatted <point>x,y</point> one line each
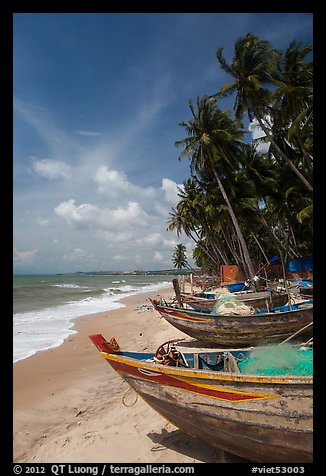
<point>292,109</point>
<point>189,218</point>
<point>214,142</point>
<point>179,258</point>
<point>253,67</point>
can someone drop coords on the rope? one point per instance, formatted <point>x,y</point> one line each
<point>124,396</point>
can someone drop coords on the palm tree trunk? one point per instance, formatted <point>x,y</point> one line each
<point>203,247</point>
<point>282,154</point>
<point>232,251</point>
<point>211,237</point>
<point>277,242</point>
<point>237,228</point>
<point>260,247</point>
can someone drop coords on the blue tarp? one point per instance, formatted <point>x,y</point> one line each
<point>301,264</point>
<point>303,282</point>
<point>274,259</point>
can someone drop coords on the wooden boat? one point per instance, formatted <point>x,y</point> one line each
<point>306,286</point>
<point>261,299</point>
<point>263,418</point>
<point>307,291</point>
<point>240,330</point>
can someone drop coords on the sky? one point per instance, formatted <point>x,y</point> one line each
<point>98,99</point>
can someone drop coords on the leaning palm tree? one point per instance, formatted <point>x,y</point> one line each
<point>193,216</point>
<point>214,142</point>
<point>253,67</point>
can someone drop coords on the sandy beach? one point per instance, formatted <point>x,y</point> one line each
<point>70,406</point>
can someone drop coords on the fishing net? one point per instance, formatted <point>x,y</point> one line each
<point>228,304</point>
<point>284,359</point>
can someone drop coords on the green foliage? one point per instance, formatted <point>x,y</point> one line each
<point>236,192</point>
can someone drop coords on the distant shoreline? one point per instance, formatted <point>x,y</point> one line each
<point>168,272</point>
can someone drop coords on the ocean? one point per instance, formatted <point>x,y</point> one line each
<point>45,306</point>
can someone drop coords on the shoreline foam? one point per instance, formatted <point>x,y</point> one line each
<point>71,407</point>
<point>49,327</point>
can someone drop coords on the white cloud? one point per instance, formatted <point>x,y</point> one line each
<point>162,210</point>
<point>24,257</point>
<point>43,222</point>
<point>158,257</point>
<point>257,133</point>
<point>170,191</point>
<point>78,255</point>
<point>51,169</point>
<point>114,183</point>
<point>118,258</point>
<point>154,239</point>
<point>88,216</point>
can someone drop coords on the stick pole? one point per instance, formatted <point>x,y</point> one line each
<point>296,333</point>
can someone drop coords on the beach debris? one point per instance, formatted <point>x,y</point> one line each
<point>144,308</point>
<point>158,448</point>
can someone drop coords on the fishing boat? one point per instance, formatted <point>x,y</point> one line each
<point>228,330</point>
<point>262,417</point>
<point>306,286</point>
<point>261,299</point>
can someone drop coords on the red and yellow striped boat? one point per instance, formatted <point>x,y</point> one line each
<point>263,418</point>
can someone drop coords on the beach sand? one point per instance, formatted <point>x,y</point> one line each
<point>69,406</point>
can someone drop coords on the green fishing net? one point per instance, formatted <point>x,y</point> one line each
<point>284,359</point>
<point>223,298</point>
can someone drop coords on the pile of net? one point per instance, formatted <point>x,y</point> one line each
<point>284,359</point>
<point>226,304</point>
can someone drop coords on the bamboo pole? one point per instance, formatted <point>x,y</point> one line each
<point>296,333</point>
<point>308,342</point>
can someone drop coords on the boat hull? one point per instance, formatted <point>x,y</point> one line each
<point>262,419</point>
<point>234,330</point>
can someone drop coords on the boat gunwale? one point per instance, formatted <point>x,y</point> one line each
<point>211,375</point>
<point>212,316</point>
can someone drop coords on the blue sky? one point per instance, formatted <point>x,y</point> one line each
<point>98,99</point>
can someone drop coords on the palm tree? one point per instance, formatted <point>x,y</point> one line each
<point>294,83</point>
<point>193,216</point>
<point>253,67</point>
<point>179,257</point>
<point>214,142</point>
<point>292,108</point>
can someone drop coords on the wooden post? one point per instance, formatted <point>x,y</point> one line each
<point>176,287</point>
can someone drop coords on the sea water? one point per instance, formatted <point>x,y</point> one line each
<point>44,307</point>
